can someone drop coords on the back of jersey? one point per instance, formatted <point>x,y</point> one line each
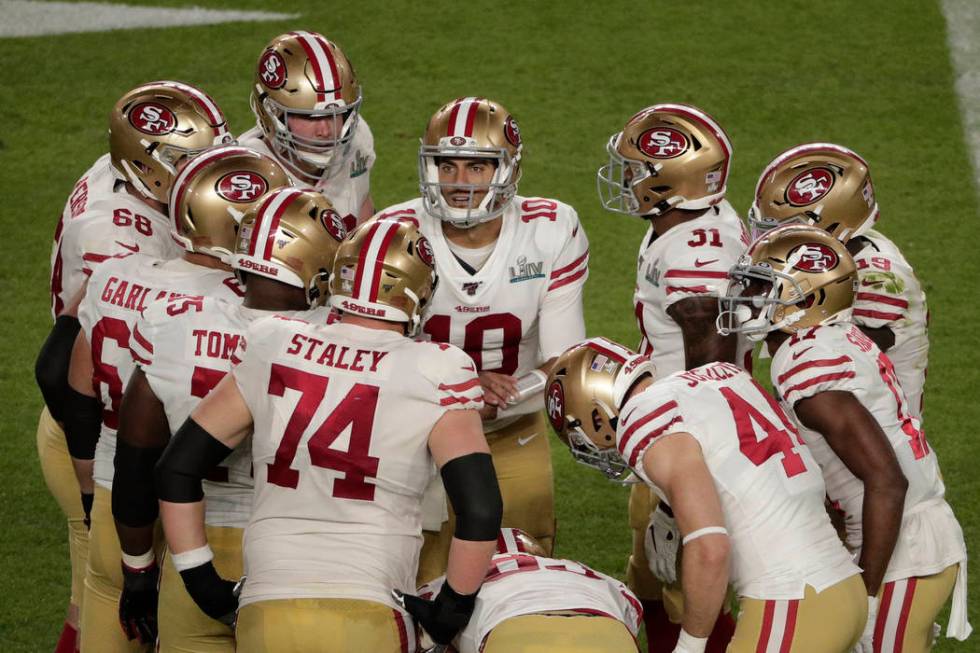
<point>118,291</point>
<point>342,416</point>
<point>771,488</point>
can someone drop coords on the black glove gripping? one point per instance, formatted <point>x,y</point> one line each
<point>442,617</point>
<point>138,603</point>
<point>213,594</point>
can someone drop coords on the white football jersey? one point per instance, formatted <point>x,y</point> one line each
<point>185,346</point>
<point>841,358</point>
<point>891,296</point>
<point>521,584</point>
<point>691,259</point>
<point>101,219</point>
<point>524,291</point>
<point>118,291</point>
<point>342,416</point>
<point>771,489</point>
<point>350,184</point>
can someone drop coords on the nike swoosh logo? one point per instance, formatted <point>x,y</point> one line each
<point>865,282</point>
<point>469,368</point>
<point>622,422</point>
<point>522,441</point>
<point>800,353</point>
<point>698,263</point>
<point>133,248</point>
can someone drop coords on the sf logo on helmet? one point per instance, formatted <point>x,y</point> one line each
<point>333,223</point>
<point>555,405</point>
<point>152,118</point>
<point>662,143</point>
<point>809,186</point>
<point>815,257</point>
<point>243,186</point>
<point>272,70</point>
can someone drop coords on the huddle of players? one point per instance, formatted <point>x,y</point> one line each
<point>334,522</point>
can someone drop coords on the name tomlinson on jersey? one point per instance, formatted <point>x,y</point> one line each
<point>342,358</point>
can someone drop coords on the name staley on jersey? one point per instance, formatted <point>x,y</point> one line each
<point>330,355</point>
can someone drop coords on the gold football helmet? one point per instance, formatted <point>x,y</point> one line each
<point>154,126</point>
<point>304,74</point>
<point>471,128</point>
<point>213,192</point>
<point>514,540</point>
<point>291,236</point>
<point>585,391</point>
<point>819,184</point>
<point>667,156</point>
<point>791,278</point>
<point>384,270</point>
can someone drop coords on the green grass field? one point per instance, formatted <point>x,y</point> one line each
<point>872,75</point>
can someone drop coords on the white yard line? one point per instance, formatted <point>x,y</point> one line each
<point>29,18</point>
<point>963,30</point>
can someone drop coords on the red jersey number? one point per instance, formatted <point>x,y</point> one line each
<point>105,377</point>
<point>474,338</point>
<point>751,423</point>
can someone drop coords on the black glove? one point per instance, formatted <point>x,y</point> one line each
<point>87,499</point>
<point>443,617</point>
<point>138,603</point>
<point>216,596</point>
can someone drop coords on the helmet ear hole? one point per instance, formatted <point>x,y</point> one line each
<point>596,420</point>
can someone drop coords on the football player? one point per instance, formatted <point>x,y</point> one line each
<point>346,421</point>
<point>530,602</point>
<point>795,289</point>
<point>829,186</point>
<point>307,103</point>
<point>205,201</point>
<point>747,494</point>
<point>669,166</point>
<point>117,207</point>
<point>182,348</point>
<point>511,272</point>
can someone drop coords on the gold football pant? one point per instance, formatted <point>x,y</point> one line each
<point>522,458</point>
<point>908,607</point>
<point>323,626</point>
<point>829,622</point>
<point>183,627</point>
<point>59,476</point>
<point>559,633</point>
<point>101,632</point>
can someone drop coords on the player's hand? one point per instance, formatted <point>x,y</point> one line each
<point>498,388</point>
<point>661,543</point>
<point>217,597</point>
<point>138,603</point>
<point>866,643</point>
<point>488,413</point>
<point>443,617</point>
<point>87,500</point>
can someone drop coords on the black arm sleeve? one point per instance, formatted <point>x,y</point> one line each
<point>191,454</point>
<point>83,421</point>
<point>134,498</point>
<point>471,485</point>
<point>51,367</point>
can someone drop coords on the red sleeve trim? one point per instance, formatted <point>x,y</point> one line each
<point>449,401</point>
<point>820,379</point>
<point>571,266</point>
<point>823,362</point>
<point>139,359</point>
<point>568,280</point>
<point>143,342</point>
<point>882,299</point>
<point>670,405</point>
<point>460,387</point>
<point>695,274</point>
<point>876,315</point>
<point>641,445</point>
<point>691,289</point>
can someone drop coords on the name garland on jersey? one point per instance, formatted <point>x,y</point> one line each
<point>526,271</point>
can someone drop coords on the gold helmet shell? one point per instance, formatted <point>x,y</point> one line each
<point>585,391</point>
<point>154,126</point>
<point>213,192</point>
<point>291,236</point>
<point>514,540</point>
<point>820,184</point>
<point>304,74</point>
<point>667,156</point>
<point>471,128</point>
<point>384,270</point>
<point>792,277</point>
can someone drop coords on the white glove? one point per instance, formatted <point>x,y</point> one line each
<point>660,543</point>
<point>688,643</point>
<point>866,643</point>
